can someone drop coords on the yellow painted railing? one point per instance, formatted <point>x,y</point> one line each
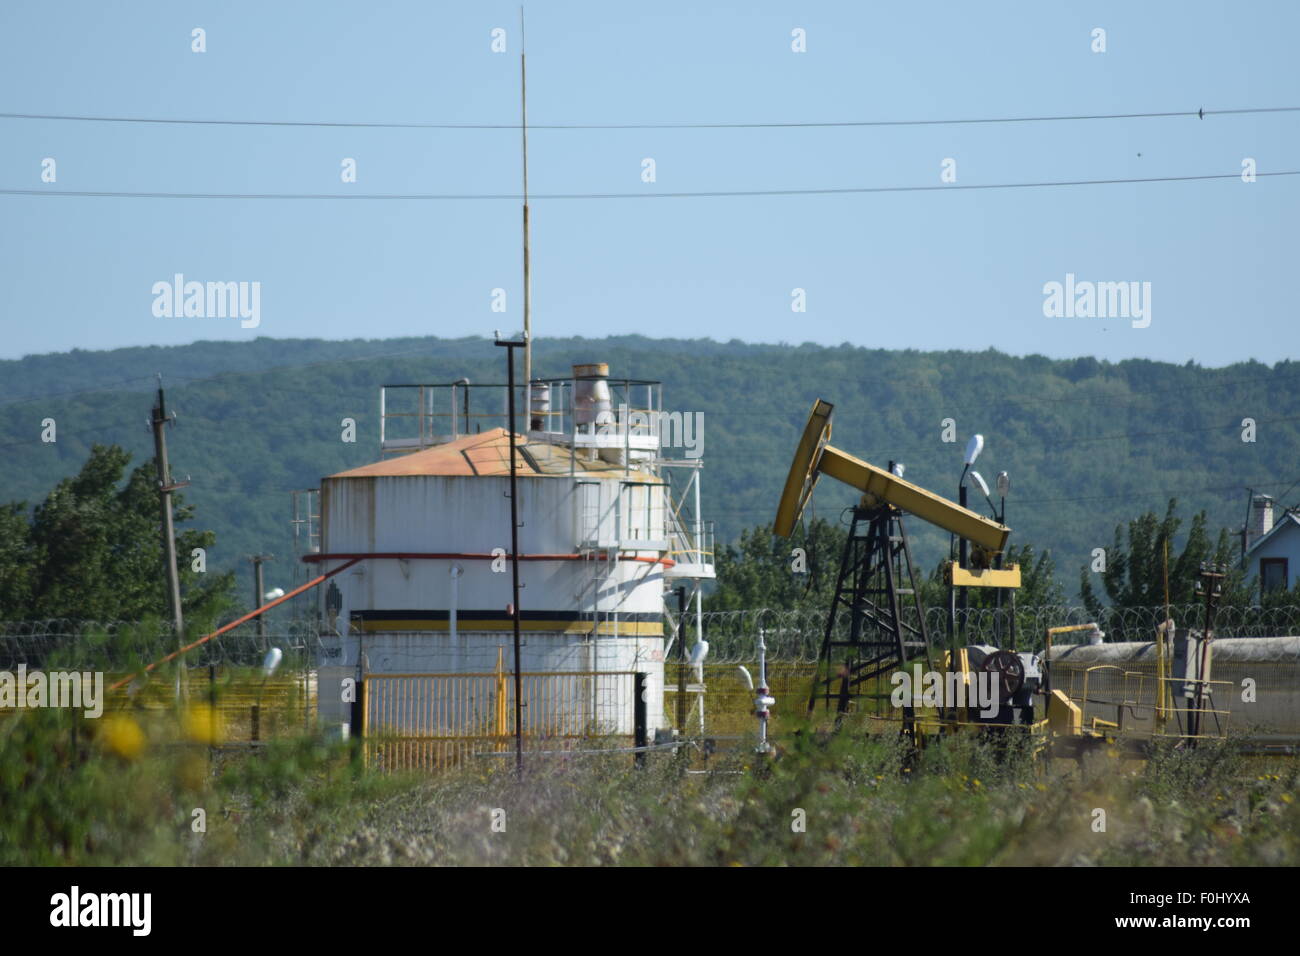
<point>1137,704</point>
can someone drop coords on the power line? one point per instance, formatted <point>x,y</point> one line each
<point>1283,495</point>
<point>832,124</point>
<point>708,194</point>
<point>1129,436</point>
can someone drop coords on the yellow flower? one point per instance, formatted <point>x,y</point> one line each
<point>123,736</point>
<point>201,724</point>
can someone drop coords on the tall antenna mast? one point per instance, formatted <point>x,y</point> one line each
<point>528,291</point>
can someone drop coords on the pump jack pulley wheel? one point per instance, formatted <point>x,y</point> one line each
<point>1010,672</point>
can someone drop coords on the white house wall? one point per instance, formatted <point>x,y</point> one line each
<point>1285,543</point>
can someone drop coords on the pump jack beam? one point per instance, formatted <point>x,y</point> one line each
<point>815,457</point>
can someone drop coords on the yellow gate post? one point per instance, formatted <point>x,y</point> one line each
<point>500,710</point>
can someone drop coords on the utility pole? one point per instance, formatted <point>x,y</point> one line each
<point>514,548</point>
<point>259,594</point>
<point>528,284</point>
<point>165,489</point>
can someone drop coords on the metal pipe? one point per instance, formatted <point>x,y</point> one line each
<point>681,659</point>
<point>259,592</point>
<point>235,623</point>
<point>764,699</point>
<point>456,572</point>
<point>476,556</point>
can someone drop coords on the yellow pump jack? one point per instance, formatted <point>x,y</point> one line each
<point>876,578</point>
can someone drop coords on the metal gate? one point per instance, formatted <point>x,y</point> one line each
<point>425,721</point>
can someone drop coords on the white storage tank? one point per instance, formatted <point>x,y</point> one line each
<point>432,594</point>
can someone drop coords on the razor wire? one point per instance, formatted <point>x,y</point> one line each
<point>791,635</point>
<point>796,635</point>
<point>125,645</point>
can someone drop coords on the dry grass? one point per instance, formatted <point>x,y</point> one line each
<point>861,801</point>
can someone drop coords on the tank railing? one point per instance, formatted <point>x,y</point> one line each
<point>306,520</point>
<point>441,413</point>
<point>414,417</point>
<point>691,541</point>
<point>684,546</point>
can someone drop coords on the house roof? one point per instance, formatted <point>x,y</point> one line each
<point>486,454</point>
<point>1289,519</point>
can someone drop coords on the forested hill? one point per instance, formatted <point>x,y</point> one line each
<point>1088,444</point>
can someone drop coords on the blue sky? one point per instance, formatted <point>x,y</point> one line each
<point>903,270</point>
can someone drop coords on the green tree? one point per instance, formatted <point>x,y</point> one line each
<point>16,561</point>
<point>762,570</point>
<point>92,551</point>
<point>1134,574</point>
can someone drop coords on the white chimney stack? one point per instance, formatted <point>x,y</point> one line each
<point>1261,518</point>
